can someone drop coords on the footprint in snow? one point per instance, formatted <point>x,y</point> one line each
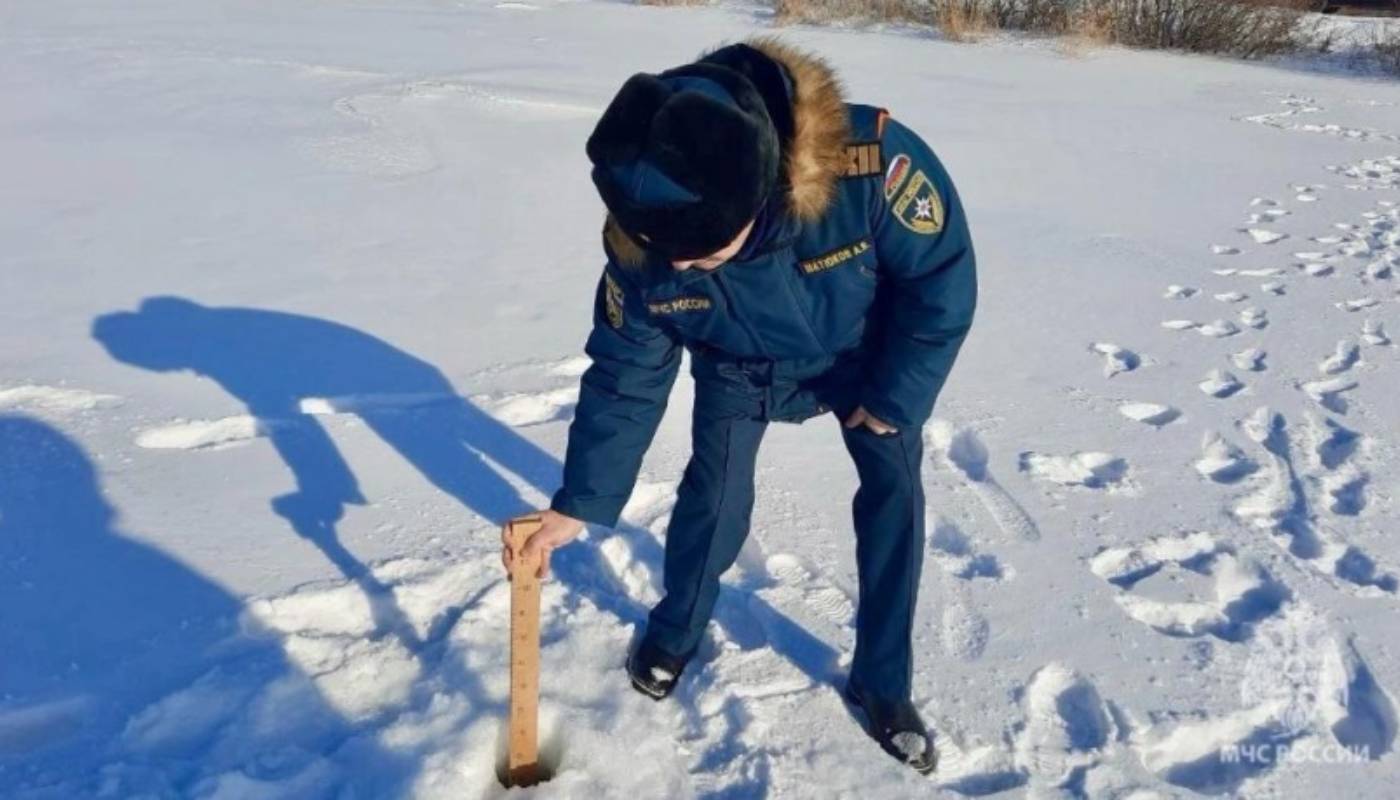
<point>1086,470</point>
<point>210,434</point>
<point>963,631</point>
<point>1244,593</point>
<point>571,367</point>
<point>532,408</point>
<point>1254,317</point>
<point>531,392</point>
<point>1178,292</point>
<point>1221,461</point>
<point>54,399</point>
<point>794,586</point>
<point>1224,250</point>
<point>1373,333</point>
<point>1335,469</point>
<point>1067,727</point>
<point>1328,393</point>
<point>962,450</point>
<point>1221,384</point>
<point>953,551</point>
<point>1281,505</point>
<point>1116,359</point>
<point>1345,356</point>
<point>1220,328</point>
<point>1231,297</point>
<point>1355,249</point>
<point>1265,236</point>
<point>1154,414</point>
<point>1358,304</point>
<point>1298,682</point>
<point>811,588</point>
<point>1251,359</point>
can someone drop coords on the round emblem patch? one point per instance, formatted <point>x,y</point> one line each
<point>895,174</point>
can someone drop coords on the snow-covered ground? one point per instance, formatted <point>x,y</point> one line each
<point>293,297</point>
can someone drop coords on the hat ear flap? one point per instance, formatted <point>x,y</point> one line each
<point>625,123</point>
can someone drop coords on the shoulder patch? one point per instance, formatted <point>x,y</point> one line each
<point>612,294</point>
<point>834,258</point>
<point>863,158</point>
<point>918,207</point>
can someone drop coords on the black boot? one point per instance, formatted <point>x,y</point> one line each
<point>654,671</point>
<point>898,729</point>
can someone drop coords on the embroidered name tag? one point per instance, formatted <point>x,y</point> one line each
<point>680,304</point>
<point>834,258</point>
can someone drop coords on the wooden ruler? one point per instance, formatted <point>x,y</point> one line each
<point>522,763</point>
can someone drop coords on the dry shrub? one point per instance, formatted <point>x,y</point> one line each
<point>961,20</point>
<point>1246,28</point>
<point>1085,30</point>
<point>819,11</point>
<point>1092,25</point>
<point>1036,16</point>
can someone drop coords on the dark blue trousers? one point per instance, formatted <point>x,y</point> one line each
<point>715,501</point>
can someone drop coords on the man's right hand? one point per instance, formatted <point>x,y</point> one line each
<point>555,530</point>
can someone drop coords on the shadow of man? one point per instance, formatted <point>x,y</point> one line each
<point>287,368</point>
<point>95,627</point>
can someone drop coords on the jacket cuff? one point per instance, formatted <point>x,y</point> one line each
<point>878,406</point>
<point>593,512</point>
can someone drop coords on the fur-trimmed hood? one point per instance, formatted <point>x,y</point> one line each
<point>814,156</point>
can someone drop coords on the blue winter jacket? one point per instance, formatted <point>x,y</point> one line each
<point>861,293</point>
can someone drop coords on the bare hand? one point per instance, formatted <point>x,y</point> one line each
<point>555,530</point>
<point>861,417</point>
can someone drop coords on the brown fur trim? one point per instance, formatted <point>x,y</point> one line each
<point>627,252</point>
<point>816,158</point>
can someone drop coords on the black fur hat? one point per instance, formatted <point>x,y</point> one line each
<point>685,159</point>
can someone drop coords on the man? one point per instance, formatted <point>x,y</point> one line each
<point>813,257</point>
